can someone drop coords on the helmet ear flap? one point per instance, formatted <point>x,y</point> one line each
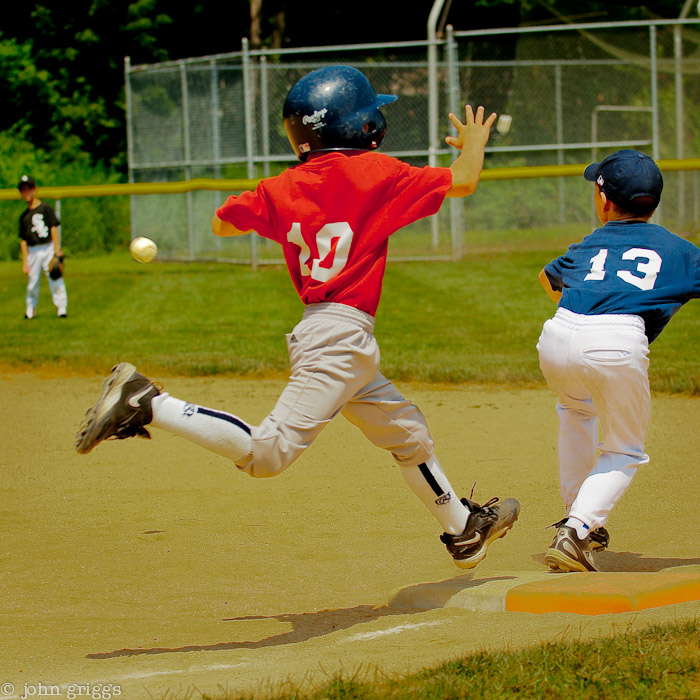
<point>375,129</point>
<point>334,108</point>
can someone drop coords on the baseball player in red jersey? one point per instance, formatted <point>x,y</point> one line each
<point>333,215</point>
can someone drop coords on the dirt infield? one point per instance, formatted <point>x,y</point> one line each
<point>156,566</point>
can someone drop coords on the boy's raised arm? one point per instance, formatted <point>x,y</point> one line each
<point>471,140</point>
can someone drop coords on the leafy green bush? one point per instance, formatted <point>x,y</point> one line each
<point>89,225</point>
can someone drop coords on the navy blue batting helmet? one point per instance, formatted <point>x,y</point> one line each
<point>334,109</point>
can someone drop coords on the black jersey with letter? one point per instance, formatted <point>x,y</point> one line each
<point>35,224</point>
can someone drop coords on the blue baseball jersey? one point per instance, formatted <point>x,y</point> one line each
<point>628,267</point>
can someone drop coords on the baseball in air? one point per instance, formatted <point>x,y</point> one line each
<point>143,249</point>
<point>503,123</point>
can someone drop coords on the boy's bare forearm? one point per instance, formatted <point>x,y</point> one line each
<point>466,170</point>
<point>225,228</point>
<point>56,240</point>
<point>551,293</point>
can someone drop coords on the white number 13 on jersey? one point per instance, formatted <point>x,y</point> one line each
<point>333,243</point>
<point>649,269</point>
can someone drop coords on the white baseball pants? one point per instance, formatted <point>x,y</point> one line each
<point>598,366</point>
<point>334,361</point>
<point>38,259</point>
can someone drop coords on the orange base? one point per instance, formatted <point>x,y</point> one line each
<point>599,593</point>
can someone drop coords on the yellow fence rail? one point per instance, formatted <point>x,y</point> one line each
<point>179,187</point>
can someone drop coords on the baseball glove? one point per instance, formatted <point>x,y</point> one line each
<point>56,267</point>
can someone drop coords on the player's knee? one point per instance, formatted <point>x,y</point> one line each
<point>416,450</point>
<point>268,458</point>
<point>261,470</point>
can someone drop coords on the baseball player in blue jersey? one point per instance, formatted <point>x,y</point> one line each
<point>616,291</point>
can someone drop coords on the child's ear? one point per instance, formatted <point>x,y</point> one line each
<point>606,202</point>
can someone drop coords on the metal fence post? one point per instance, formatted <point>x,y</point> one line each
<point>433,132</point>
<point>265,114</point>
<point>215,129</point>
<point>678,65</point>
<point>456,204</point>
<point>560,138</point>
<point>215,116</point>
<point>432,82</point>
<point>249,136</point>
<point>130,141</point>
<point>433,128</point>
<point>187,154</point>
<point>654,77</point>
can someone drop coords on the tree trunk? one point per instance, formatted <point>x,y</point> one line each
<point>255,11</point>
<point>278,26</point>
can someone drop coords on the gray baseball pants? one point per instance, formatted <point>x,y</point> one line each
<point>334,360</point>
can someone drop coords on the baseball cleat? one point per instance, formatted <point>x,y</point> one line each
<point>599,539</point>
<point>485,524</point>
<point>122,411</point>
<point>568,553</point>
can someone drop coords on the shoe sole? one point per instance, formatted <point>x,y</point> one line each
<point>558,561</point>
<point>475,559</point>
<point>96,418</point>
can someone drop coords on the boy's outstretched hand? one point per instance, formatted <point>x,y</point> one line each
<point>471,139</point>
<point>474,129</point>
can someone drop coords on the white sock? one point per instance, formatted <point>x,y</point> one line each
<point>217,431</point>
<point>430,484</point>
<point>582,530</point>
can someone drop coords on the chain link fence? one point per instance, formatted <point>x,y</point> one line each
<point>574,93</point>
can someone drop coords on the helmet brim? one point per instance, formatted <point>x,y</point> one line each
<point>385,100</point>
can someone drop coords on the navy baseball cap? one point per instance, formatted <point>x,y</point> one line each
<point>631,179</point>
<point>26,181</point>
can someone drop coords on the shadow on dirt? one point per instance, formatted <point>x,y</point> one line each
<point>304,626</point>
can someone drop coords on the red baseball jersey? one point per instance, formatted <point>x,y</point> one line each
<point>333,216</point>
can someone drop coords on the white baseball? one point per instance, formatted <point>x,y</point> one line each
<point>503,123</point>
<point>143,249</point>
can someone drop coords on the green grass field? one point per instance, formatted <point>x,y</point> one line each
<point>473,321</point>
<point>661,662</point>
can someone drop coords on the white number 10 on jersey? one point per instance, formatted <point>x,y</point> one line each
<point>649,269</point>
<point>333,244</point>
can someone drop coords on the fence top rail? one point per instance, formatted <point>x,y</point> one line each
<point>238,185</point>
<point>407,44</point>
<point>424,43</point>
<point>576,27</point>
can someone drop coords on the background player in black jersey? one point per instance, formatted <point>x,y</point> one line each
<point>39,241</point>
